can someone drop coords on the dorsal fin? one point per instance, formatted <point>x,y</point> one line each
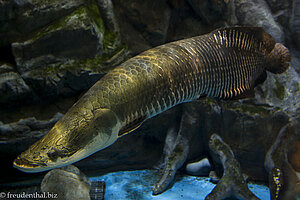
<point>251,38</point>
<point>131,126</point>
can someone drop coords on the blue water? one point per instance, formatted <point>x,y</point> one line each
<point>137,185</point>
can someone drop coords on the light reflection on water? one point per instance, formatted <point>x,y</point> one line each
<point>138,185</point>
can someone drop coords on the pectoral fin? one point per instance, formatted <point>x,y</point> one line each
<point>131,126</point>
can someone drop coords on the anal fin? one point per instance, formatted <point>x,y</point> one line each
<point>244,95</point>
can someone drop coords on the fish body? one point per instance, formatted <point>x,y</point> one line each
<point>224,64</point>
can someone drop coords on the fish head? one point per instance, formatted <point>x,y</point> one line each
<point>76,136</point>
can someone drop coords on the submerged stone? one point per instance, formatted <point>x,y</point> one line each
<point>20,18</point>
<point>281,91</point>
<point>12,86</point>
<point>200,168</point>
<point>255,13</point>
<point>77,36</point>
<point>142,28</point>
<point>69,55</point>
<point>296,23</point>
<point>61,83</point>
<point>209,11</point>
<point>67,182</point>
<point>16,136</point>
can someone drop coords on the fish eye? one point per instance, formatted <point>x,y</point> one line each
<point>53,154</point>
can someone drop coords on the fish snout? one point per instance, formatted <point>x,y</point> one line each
<point>25,165</point>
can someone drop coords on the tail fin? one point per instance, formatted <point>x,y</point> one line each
<point>279,59</point>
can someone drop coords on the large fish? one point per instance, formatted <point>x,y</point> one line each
<point>224,64</point>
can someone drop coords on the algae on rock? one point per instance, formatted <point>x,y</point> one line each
<point>20,18</point>
<point>78,36</point>
<point>75,47</point>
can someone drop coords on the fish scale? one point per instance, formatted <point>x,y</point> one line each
<point>181,85</point>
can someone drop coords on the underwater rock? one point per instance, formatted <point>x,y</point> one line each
<point>277,5</point>
<point>61,83</point>
<point>53,65</point>
<point>184,23</point>
<point>12,86</point>
<point>255,13</point>
<point>108,16</point>
<point>143,24</point>
<point>175,154</point>
<point>232,183</point>
<point>181,144</point>
<point>296,23</point>
<point>282,11</point>
<point>281,91</point>
<point>283,179</point>
<point>55,44</point>
<point>250,130</point>
<point>68,183</point>
<point>296,60</point>
<point>213,177</point>
<point>245,127</point>
<point>293,156</point>
<point>24,132</point>
<point>20,18</point>
<point>5,67</point>
<point>199,168</point>
<point>187,27</point>
<point>209,11</point>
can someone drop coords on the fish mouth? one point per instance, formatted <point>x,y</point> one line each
<point>35,166</point>
<point>25,165</point>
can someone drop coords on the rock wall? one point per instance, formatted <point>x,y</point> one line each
<point>60,48</point>
<point>54,51</point>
